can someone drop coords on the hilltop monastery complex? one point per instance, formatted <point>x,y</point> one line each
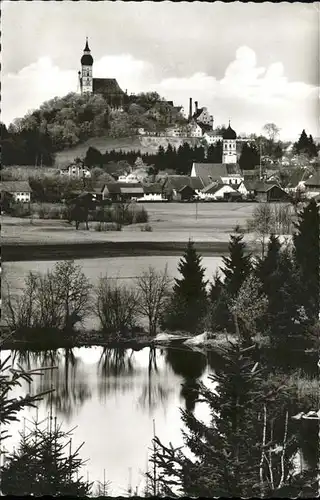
<point>199,121</point>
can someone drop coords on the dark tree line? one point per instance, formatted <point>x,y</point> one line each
<point>179,160</point>
<point>26,147</point>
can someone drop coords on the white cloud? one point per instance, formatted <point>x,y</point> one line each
<point>130,72</point>
<point>38,82</point>
<point>248,94</point>
<point>43,80</point>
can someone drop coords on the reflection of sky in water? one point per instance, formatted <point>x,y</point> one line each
<point>113,413</point>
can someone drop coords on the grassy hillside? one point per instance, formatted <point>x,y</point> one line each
<point>103,144</point>
<point>106,143</point>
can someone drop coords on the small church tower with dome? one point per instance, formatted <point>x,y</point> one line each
<point>85,75</point>
<point>229,150</point>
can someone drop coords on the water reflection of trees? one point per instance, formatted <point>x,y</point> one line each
<point>116,368</point>
<point>155,392</point>
<point>67,378</point>
<point>190,365</point>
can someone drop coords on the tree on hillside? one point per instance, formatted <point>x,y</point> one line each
<point>305,145</point>
<point>249,157</point>
<point>147,99</point>
<point>93,157</point>
<point>214,153</point>
<point>188,304</point>
<point>184,159</point>
<point>278,151</point>
<point>307,258</point>
<point>272,131</point>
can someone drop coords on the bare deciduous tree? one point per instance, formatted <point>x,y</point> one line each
<point>272,131</point>
<point>153,289</point>
<point>57,299</point>
<point>74,292</point>
<point>262,223</point>
<point>116,306</point>
<point>270,218</point>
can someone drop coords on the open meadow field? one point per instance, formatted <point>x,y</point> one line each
<point>208,224</point>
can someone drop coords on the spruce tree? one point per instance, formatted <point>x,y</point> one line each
<point>305,145</point>
<point>265,270</point>
<point>285,319</point>
<point>266,266</point>
<point>307,258</point>
<point>237,267</point>
<point>42,466</point>
<point>188,305</point>
<point>230,451</point>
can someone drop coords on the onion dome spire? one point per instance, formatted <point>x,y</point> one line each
<point>87,59</point>
<point>229,133</point>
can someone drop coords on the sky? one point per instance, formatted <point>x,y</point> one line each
<point>249,63</point>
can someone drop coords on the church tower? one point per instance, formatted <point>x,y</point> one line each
<point>85,75</point>
<point>229,152</point>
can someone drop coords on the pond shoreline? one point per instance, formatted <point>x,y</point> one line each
<point>96,339</point>
<point>65,251</point>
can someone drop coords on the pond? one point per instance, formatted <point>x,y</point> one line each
<point>114,397</point>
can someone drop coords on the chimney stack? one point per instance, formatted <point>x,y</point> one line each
<point>190,108</point>
<point>195,106</point>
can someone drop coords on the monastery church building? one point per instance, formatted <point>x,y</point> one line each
<point>108,87</point>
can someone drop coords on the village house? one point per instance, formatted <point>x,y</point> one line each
<point>194,130</point>
<point>233,180</point>
<point>76,171</point>
<point>181,187</point>
<point>152,192</point>
<point>247,189</point>
<point>220,172</point>
<point>217,191</point>
<point>211,138</point>
<point>201,116</point>
<point>265,192</point>
<point>121,191</point>
<point>129,179</point>
<point>312,185</point>
<point>19,190</point>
